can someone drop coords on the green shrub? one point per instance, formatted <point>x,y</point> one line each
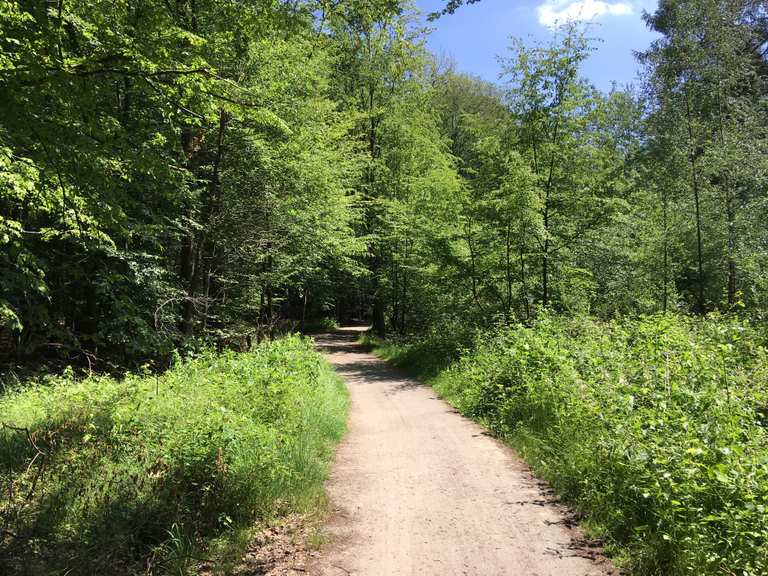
<point>655,429</point>
<point>107,476</point>
<point>320,325</point>
<point>424,355</point>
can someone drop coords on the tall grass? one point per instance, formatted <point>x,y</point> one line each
<point>143,474</point>
<point>654,429</point>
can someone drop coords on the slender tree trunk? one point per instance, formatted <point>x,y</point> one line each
<point>379,323</point>
<point>730,215</point>
<point>524,281</point>
<point>207,245</point>
<point>545,250</point>
<point>207,300</point>
<point>508,271</point>
<point>473,269</point>
<point>262,308</point>
<point>665,272</point>
<point>377,263</point>
<point>395,314</point>
<point>304,298</point>
<point>186,14</point>
<point>187,253</point>
<point>200,249</point>
<point>546,217</point>
<point>186,274</point>
<point>545,272</point>
<point>405,290</point>
<point>697,206</point>
<point>270,308</point>
<point>730,211</point>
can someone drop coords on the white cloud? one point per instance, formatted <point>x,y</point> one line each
<point>554,12</point>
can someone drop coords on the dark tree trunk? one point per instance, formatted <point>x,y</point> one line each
<point>524,282</point>
<point>404,305</point>
<point>730,215</point>
<point>197,252</point>
<point>546,216</point>
<point>377,266</point>
<point>508,271</point>
<point>305,297</point>
<point>730,211</point>
<point>700,308</point>
<point>665,273</point>
<point>379,320</point>
<point>473,267</point>
<point>186,274</point>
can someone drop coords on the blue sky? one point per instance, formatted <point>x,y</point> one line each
<point>476,34</point>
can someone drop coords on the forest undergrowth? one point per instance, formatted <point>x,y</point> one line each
<point>653,429</point>
<point>154,474</point>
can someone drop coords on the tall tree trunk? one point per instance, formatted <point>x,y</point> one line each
<point>508,271</point>
<point>546,217</point>
<point>377,264</point>
<point>186,274</point>
<point>665,272</point>
<point>730,215</point>
<point>697,206</point>
<point>395,314</point>
<point>730,211</point>
<point>190,142</point>
<point>545,249</point>
<point>187,254</point>
<point>213,207</point>
<point>473,266</point>
<point>524,281</point>
<point>270,304</point>
<point>379,322</point>
<point>305,297</point>
<point>262,313</point>
<point>200,249</point>
<point>545,272</point>
<point>404,275</point>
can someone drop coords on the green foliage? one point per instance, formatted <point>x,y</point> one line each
<point>706,128</point>
<point>104,475</point>
<point>203,172</point>
<point>427,354</point>
<point>320,325</point>
<point>168,171</point>
<point>654,429</point>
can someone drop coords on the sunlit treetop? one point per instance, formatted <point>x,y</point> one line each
<point>450,7</point>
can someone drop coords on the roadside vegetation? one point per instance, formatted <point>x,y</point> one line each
<point>158,473</point>
<point>206,174</point>
<point>654,429</point>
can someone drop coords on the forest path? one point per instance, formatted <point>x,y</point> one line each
<point>417,489</point>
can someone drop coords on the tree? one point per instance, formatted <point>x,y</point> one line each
<point>450,7</point>
<point>705,70</point>
<point>558,116</point>
<point>377,56</point>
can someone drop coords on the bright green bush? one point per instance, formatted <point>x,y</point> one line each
<point>655,429</point>
<point>426,354</point>
<point>106,476</point>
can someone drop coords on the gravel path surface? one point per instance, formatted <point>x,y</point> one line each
<point>417,489</point>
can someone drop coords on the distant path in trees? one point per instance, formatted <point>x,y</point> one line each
<point>417,489</point>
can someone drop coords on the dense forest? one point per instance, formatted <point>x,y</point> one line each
<point>177,172</point>
<point>180,177</point>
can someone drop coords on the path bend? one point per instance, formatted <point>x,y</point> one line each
<point>419,490</point>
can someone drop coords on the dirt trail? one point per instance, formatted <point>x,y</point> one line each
<point>419,490</point>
